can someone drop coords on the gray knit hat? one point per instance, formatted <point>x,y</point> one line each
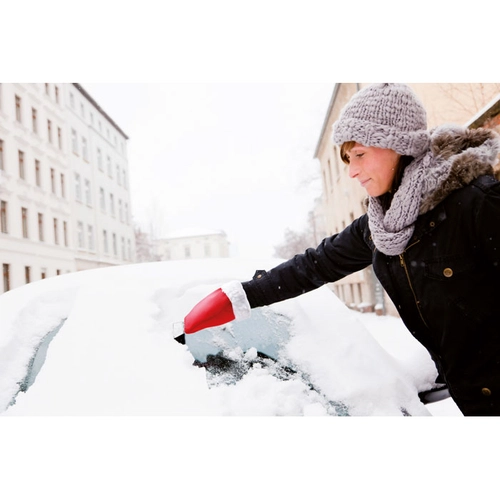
<point>384,115</point>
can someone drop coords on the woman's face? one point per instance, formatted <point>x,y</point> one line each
<point>374,168</point>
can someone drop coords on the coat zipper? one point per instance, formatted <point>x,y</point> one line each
<point>404,266</point>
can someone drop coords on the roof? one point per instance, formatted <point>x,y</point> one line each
<point>490,110</point>
<point>325,121</point>
<point>94,103</point>
<point>193,233</point>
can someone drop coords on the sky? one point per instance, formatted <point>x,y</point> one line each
<point>237,157</point>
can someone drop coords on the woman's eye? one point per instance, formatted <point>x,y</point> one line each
<point>359,155</point>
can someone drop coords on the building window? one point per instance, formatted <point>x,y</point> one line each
<point>120,210</point>
<point>72,100</point>
<point>99,159</point>
<point>81,236</point>
<point>90,234</point>
<point>85,153</point>
<point>124,178</point>
<point>102,198</point>
<point>34,120</point>
<point>3,217</point>
<point>329,180</point>
<point>74,141</point>
<point>56,232</point>
<point>59,137</point>
<point>21,165</point>
<point>118,177</point>
<point>18,109</point>
<point>58,272</point>
<point>123,248</point>
<point>27,274</point>
<point>207,250</point>
<point>53,180</point>
<point>105,240</point>
<point>65,233</point>
<point>112,204</point>
<point>126,213</point>
<point>129,250</point>
<point>6,277</point>
<point>56,89</point>
<point>88,193</point>
<point>24,218</point>
<point>115,246</point>
<point>40,226</point>
<point>82,110</point>
<point>38,179</point>
<point>187,251</point>
<point>110,171</point>
<point>43,274</point>
<point>78,187</point>
<point>47,90</point>
<point>2,166</point>
<point>49,131</point>
<point>63,187</point>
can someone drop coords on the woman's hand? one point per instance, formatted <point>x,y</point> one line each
<point>225,304</point>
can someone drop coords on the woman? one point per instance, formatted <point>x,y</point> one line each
<point>431,231</point>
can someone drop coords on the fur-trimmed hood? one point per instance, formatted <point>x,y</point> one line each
<point>469,154</point>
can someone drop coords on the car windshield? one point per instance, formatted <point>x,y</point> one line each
<point>235,351</point>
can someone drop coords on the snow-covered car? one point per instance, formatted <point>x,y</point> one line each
<point>101,342</point>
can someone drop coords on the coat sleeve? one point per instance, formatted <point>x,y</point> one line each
<point>335,258</point>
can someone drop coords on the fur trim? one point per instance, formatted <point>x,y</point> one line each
<point>471,153</point>
<point>238,298</point>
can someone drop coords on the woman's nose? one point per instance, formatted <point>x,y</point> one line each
<point>353,169</point>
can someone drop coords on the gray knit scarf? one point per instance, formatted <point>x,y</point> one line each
<point>392,230</point>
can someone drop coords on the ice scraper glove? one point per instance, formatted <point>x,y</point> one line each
<point>227,303</point>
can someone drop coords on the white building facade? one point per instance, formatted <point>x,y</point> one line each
<point>192,244</point>
<point>101,198</point>
<point>52,221</point>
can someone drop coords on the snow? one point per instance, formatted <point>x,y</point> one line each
<point>115,354</point>
<point>393,336</point>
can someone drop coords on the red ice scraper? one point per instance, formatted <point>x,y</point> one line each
<point>227,303</point>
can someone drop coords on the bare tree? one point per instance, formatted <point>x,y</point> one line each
<point>469,98</point>
<point>156,217</point>
<point>144,247</point>
<point>293,244</point>
<point>296,242</point>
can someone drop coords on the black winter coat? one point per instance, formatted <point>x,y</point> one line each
<point>445,285</point>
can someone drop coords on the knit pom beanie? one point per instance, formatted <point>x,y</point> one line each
<point>384,115</point>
